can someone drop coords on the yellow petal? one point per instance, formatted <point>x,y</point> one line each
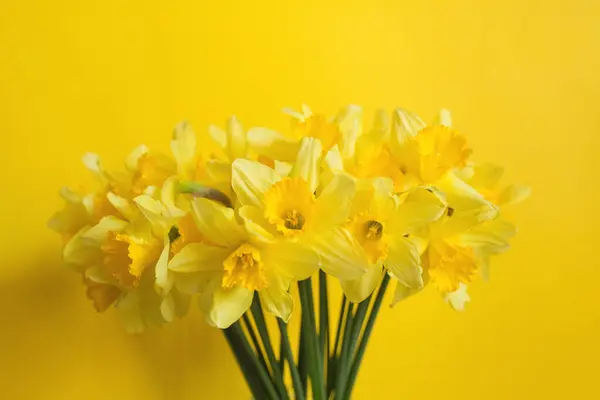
<point>183,147</point>
<point>514,194</point>
<point>486,176</point>
<point>223,307</point>
<point>459,194</point>
<point>419,206</point>
<point>444,118</point>
<point>250,181</point>
<point>277,299</point>
<point>403,262</point>
<point>216,222</point>
<point>359,289</point>
<point>341,255</point>
<point>295,260</point>
<point>458,298</point>
<point>164,279</point>
<point>272,144</point>
<point>403,292</point>
<point>307,162</point>
<point>236,139</point>
<point>256,224</point>
<point>334,203</point>
<point>198,257</point>
<point>349,121</point>
<point>218,135</point>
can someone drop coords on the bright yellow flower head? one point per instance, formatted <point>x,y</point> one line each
<point>381,222</point>
<point>237,263</point>
<point>286,206</point>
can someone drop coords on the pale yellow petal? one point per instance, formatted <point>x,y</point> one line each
<point>198,257</point>
<point>341,255</point>
<point>444,118</point>
<point>250,181</point>
<point>164,279</point>
<point>403,262</point>
<point>307,165</point>
<point>418,207</point>
<point>272,144</point>
<point>99,232</point>
<point>403,292</point>
<point>128,210</point>
<point>458,298</point>
<point>334,203</point>
<point>514,194</point>
<point>132,160</point>
<point>256,224</point>
<point>216,222</point>
<point>236,139</point>
<point>223,307</point>
<point>282,168</point>
<point>277,299</point>
<point>359,289</point>
<point>218,135</point>
<point>486,176</point>
<point>295,260</point>
<point>183,147</point>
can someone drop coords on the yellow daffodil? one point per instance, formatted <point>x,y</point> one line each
<point>340,131</point>
<point>235,264</point>
<point>278,206</point>
<point>381,222</point>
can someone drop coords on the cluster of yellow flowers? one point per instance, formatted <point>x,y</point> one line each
<point>235,212</point>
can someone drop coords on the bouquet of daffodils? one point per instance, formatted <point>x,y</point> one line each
<point>238,219</point>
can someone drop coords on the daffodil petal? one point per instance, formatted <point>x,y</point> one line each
<point>359,289</point>
<point>223,307</point>
<point>334,204</point>
<point>216,222</point>
<point>164,280</point>
<point>403,262</point>
<point>307,165</point>
<point>256,224</point>
<point>514,194</point>
<point>183,148</point>
<point>277,299</point>
<point>403,292</point>
<point>236,138</point>
<point>296,260</point>
<point>250,181</point>
<point>198,257</point>
<point>272,144</point>
<point>341,255</point>
<point>419,206</point>
<point>458,298</point>
<point>444,118</point>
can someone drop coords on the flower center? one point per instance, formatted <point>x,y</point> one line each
<point>244,267</point>
<point>289,205</point>
<point>294,220</point>
<point>373,230</point>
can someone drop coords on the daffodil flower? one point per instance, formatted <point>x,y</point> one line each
<point>235,264</point>
<point>275,206</point>
<point>381,223</point>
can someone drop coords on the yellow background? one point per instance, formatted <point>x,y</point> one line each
<point>521,77</point>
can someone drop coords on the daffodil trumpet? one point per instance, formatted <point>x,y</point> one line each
<point>242,221</point>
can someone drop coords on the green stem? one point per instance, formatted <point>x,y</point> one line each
<point>256,376</point>
<point>366,334</point>
<point>289,356</point>
<point>357,325</point>
<point>261,326</point>
<point>315,361</point>
<point>323,320</point>
<point>255,343</point>
<point>302,361</point>
<point>333,356</point>
<point>344,357</point>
